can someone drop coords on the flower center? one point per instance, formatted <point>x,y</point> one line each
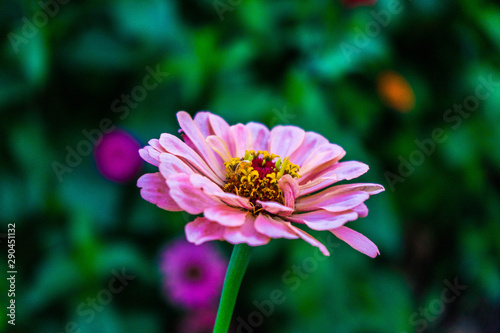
<point>193,273</point>
<point>256,176</point>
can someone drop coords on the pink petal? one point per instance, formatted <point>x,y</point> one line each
<point>242,139</point>
<point>323,158</point>
<point>356,240</point>
<point>369,188</point>
<point>324,220</point>
<point>225,215</point>
<point>311,142</point>
<point>233,200</point>
<point>220,147</point>
<point>260,136</point>
<point>211,189</point>
<point>290,190</point>
<point>172,165</point>
<point>201,230</point>
<point>332,174</point>
<point>316,184</point>
<point>175,146</point>
<point>155,143</point>
<point>313,199</point>
<point>285,140</point>
<point>331,203</point>
<point>147,154</point>
<point>202,121</point>
<point>221,128</point>
<point>310,239</point>
<point>273,228</point>
<point>191,130</point>
<point>246,234</point>
<point>361,210</point>
<point>274,207</point>
<point>155,190</point>
<point>190,198</point>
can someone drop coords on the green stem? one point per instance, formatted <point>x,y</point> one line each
<point>235,271</point>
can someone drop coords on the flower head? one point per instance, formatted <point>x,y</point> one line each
<point>252,184</point>
<point>193,275</point>
<point>116,156</point>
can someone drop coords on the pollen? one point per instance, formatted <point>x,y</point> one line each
<point>256,176</point>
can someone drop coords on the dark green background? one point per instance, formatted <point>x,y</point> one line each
<point>275,62</point>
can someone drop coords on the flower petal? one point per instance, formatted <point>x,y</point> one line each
<point>274,207</point>
<point>290,190</point>
<point>172,165</point>
<point>147,154</point>
<point>202,121</point>
<point>175,146</point>
<point>361,210</point>
<point>211,189</point>
<point>190,198</point>
<point>356,240</point>
<point>323,158</point>
<point>324,220</point>
<point>225,215</point>
<point>202,230</point>
<point>242,139</point>
<point>310,239</point>
<point>331,202</point>
<point>285,140</point>
<point>155,190</point>
<point>260,136</point>
<point>246,233</point>
<point>313,199</point>
<point>233,200</point>
<point>191,130</point>
<point>220,147</point>
<point>311,142</point>
<point>221,128</point>
<point>273,228</point>
<point>316,185</point>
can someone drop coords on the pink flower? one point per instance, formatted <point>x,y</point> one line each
<point>116,156</point>
<point>193,275</point>
<point>252,184</point>
<point>198,321</point>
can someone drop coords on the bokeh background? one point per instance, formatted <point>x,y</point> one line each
<point>412,88</point>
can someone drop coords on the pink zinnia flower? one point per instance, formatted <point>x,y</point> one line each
<point>116,156</point>
<point>252,184</point>
<point>193,275</point>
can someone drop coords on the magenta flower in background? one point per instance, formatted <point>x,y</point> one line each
<point>192,275</point>
<point>252,184</point>
<point>201,321</point>
<point>116,156</point>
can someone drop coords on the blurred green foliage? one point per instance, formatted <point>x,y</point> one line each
<point>276,62</point>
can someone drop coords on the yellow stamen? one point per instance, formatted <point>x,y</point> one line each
<point>256,176</point>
